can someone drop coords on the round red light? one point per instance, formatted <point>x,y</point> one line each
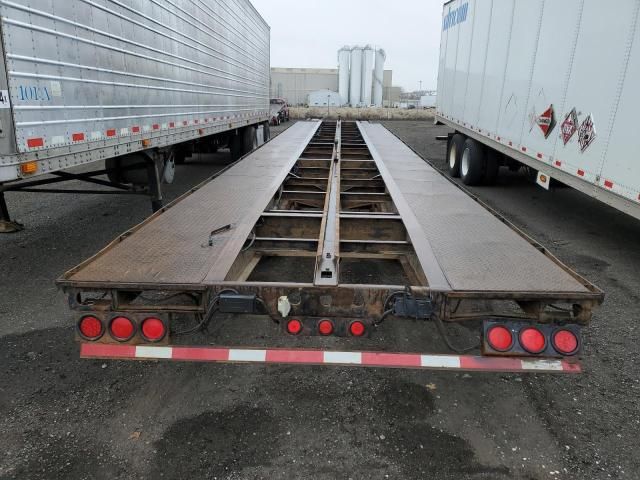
<point>500,338</point>
<point>153,329</point>
<point>294,327</point>
<point>90,327</point>
<point>357,329</point>
<point>565,342</point>
<point>122,328</point>
<point>325,327</point>
<point>532,340</point>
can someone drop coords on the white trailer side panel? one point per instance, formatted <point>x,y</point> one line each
<point>85,75</point>
<point>477,60</point>
<point>551,72</point>
<point>493,79</point>
<point>620,166</point>
<point>551,84</point>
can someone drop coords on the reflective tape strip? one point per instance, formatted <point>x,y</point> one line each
<point>35,142</point>
<point>77,137</point>
<point>352,358</point>
<point>320,357</point>
<point>96,135</point>
<point>555,365</point>
<point>153,352</point>
<point>237,355</point>
<point>440,361</point>
<point>57,140</point>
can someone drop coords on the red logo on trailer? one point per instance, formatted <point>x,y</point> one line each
<point>547,121</point>
<point>586,133</point>
<point>570,126</point>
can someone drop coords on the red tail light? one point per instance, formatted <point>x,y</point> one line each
<point>357,329</point>
<point>122,329</point>
<point>500,338</point>
<point>325,327</point>
<point>565,342</point>
<point>532,340</point>
<point>294,327</point>
<point>153,329</point>
<point>90,327</point>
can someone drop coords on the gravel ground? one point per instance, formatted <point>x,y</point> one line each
<point>63,418</point>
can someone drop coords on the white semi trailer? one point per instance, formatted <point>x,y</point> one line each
<point>552,86</point>
<point>127,82</point>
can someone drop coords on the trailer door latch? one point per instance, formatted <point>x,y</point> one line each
<point>411,307</point>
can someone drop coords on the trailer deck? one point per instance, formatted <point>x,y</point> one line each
<point>341,200</point>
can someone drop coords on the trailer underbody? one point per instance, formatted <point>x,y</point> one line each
<point>375,235</point>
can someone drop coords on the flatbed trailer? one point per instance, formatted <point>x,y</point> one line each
<point>339,200</point>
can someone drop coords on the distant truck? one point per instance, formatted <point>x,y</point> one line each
<point>140,85</point>
<point>551,86</point>
<point>279,111</point>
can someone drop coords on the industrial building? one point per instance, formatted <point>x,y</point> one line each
<point>295,84</point>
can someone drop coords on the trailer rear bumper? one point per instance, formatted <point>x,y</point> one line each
<point>327,357</point>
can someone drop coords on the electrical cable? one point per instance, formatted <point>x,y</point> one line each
<point>253,239</point>
<point>446,340</point>
<point>204,319</point>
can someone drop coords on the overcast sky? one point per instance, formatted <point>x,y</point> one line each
<point>308,33</point>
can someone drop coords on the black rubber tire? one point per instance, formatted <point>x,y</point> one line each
<point>454,147</point>
<point>492,167</point>
<point>473,162</point>
<point>235,145</point>
<point>249,139</point>
<point>266,131</point>
<point>180,156</point>
<point>119,171</point>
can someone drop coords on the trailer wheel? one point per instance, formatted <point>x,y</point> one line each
<point>454,152</point>
<point>473,162</point>
<point>249,139</point>
<point>266,131</point>
<point>492,167</point>
<point>235,145</point>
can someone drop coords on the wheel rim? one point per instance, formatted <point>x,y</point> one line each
<point>466,160</point>
<point>452,156</point>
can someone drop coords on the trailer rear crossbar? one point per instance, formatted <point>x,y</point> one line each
<point>335,222</point>
<point>328,357</point>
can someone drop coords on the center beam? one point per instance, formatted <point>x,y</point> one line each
<point>326,272</point>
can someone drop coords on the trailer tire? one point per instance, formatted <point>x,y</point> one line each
<point>492,167</point>
<point>249,139</point>
<point>180,154</point>
<point>235,145</point>
<point>266,132</point>
<point>473,162</point>
<point>454,153</point>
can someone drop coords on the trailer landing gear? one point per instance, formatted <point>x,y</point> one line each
<point>6,224</point>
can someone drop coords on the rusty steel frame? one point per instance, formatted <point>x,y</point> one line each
<point>337,202</point>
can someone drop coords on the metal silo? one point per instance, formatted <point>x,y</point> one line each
<point>377,78</point>
<point>344,55</point>
<point>355,84</point>
<point>367,75</point>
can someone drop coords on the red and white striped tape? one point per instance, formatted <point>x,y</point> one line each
<point>324,357</point>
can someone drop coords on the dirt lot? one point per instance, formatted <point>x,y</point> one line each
<point>63,418</point>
